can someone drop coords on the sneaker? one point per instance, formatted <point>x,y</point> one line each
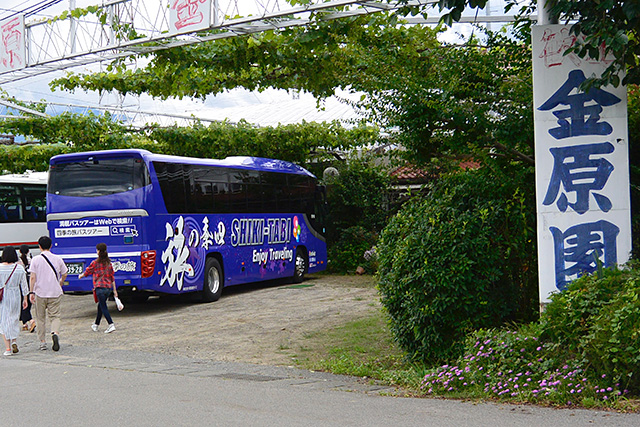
<point>7,353</point>
<point>110,329</point>
<point>43,346</point>
<point>94,327</point>
<point>14,347</point>
<point>56,342</point>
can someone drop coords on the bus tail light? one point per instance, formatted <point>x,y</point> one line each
<point>147,263</point>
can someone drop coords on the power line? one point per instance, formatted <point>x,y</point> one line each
<point>34,9</point>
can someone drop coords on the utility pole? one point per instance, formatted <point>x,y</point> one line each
<point>544,16</point>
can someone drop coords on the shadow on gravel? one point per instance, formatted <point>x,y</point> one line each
<point>167,303</point>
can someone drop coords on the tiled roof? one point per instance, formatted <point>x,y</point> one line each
<point>469,164</point>
<point>411,173</point>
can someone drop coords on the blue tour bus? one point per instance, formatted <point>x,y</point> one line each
<point>178,224</point>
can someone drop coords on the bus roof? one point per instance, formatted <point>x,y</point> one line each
<point>242,162</point>
<point>25,178</point>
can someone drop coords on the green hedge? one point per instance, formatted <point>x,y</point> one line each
<point>596,321</point>
<point>463,258</point>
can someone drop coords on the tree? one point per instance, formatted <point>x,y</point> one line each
<point>317,58</point>
<point>471,100</point>
<point>443,99</point>
<point>298,143</point>
<point>309,58</point>
<point>614,24</point>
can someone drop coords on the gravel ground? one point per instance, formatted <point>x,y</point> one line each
<point>255,323</point>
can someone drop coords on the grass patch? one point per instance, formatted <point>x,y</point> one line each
<point>364,348</point>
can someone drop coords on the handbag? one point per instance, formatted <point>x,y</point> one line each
<point>5,283</point>
<point>119,304</point>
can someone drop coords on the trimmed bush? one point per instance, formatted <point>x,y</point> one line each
<point>461,259</point>
<point>596,321</point>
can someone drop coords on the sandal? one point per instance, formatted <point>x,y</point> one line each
<point>14,347</point>
<point>32,327</point>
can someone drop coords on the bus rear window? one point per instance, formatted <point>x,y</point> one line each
<point>98,177</point>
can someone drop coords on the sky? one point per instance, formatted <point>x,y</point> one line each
<point>267,108</point>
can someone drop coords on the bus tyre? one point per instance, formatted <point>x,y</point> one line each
<point>213,281</point>
<point>300,267</point>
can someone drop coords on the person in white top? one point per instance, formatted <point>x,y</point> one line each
<point>48,273</point>
<point>12,279</point>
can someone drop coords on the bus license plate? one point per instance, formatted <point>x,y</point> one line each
<point>75,268</point>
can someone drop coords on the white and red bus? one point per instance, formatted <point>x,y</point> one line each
<point>23,217</point>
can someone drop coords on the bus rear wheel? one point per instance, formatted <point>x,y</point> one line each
<point>213,281</point>
<point>300,267</point>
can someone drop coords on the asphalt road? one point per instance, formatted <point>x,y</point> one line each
<point>82,385</point>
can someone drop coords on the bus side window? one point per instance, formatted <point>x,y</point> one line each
<point>274,187</point>
<point>221,197</point>
<point>237,191</point>
<point>171,180</point>
<point>11,203</point>
<point>34,203</point>
<point>253,188</point>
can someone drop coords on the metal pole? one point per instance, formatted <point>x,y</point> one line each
<point>72,29</point>
<point>544,16</point>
